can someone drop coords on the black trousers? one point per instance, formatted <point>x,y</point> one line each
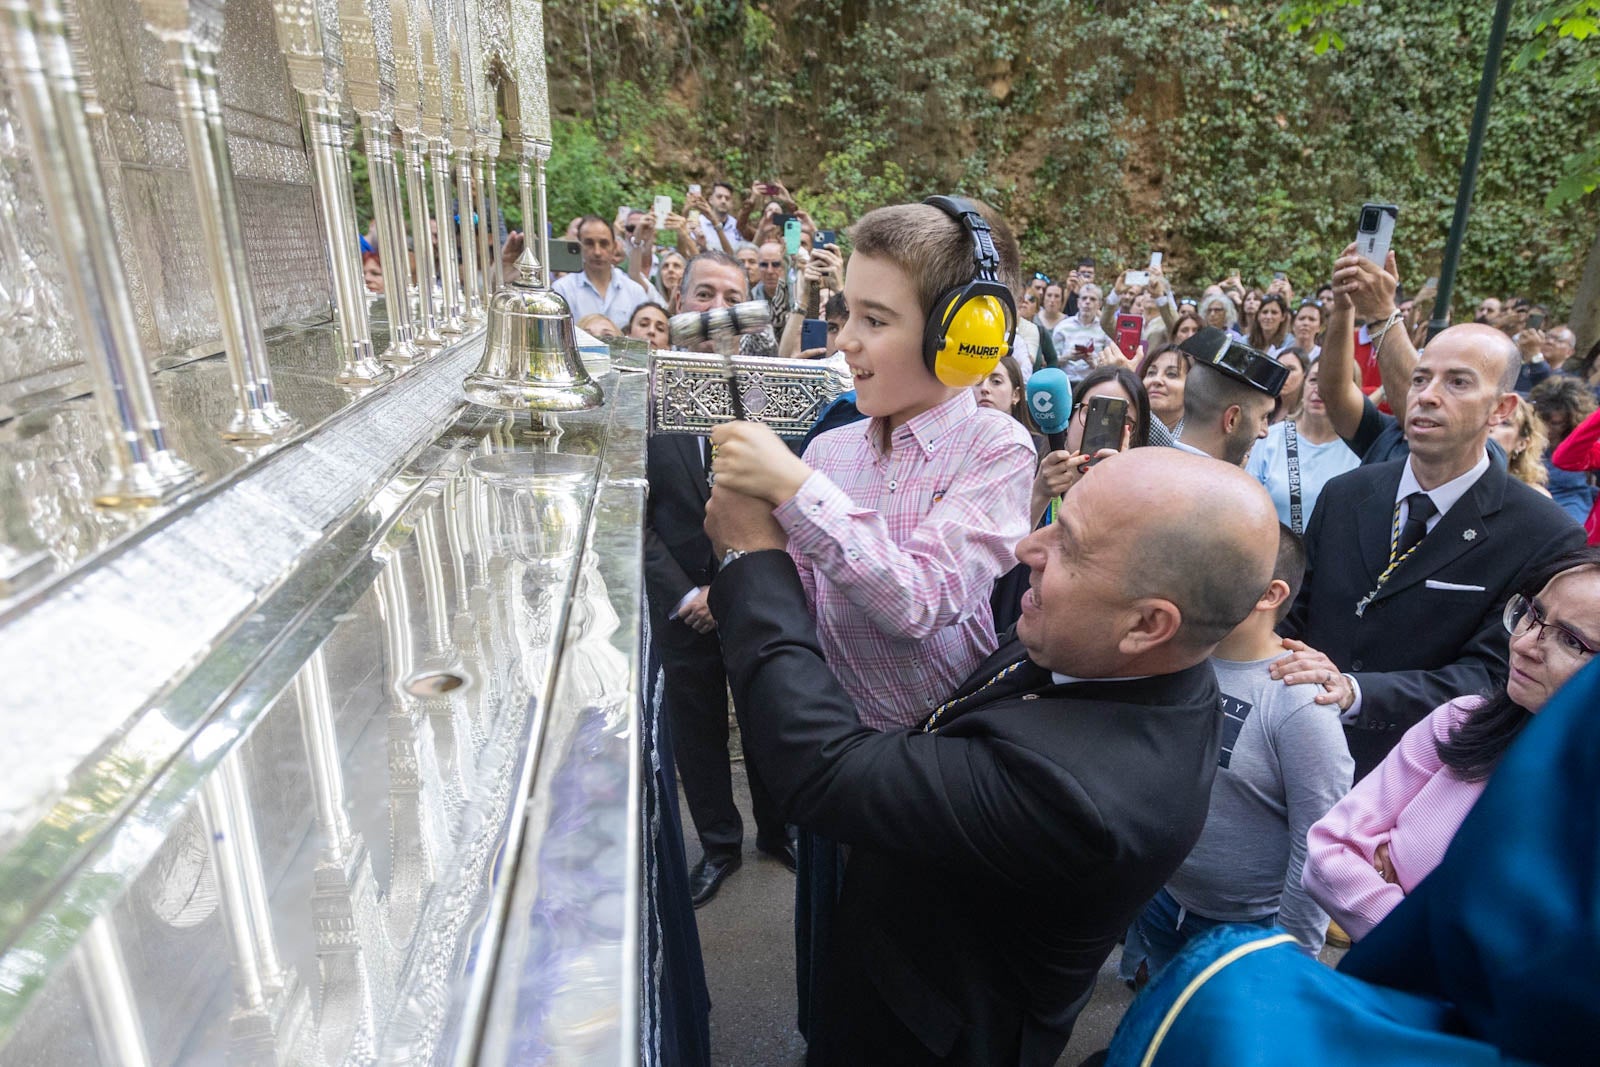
<point>695,701</point>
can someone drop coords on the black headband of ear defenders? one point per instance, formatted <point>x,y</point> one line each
<point>964,211</point>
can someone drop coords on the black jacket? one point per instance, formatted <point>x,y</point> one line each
<point>994,863</point>
<point>677,553</point>
<point>1415,647</point>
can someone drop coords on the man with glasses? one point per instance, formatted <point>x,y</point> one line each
<point>1411,562</point>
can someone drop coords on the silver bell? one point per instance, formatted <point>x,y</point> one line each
<point>530,360</point>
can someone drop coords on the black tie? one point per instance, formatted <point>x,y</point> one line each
<point>1419,510</point>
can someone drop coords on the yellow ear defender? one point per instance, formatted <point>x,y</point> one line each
<point>970,328</point>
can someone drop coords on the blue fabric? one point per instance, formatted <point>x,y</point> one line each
<point>1490,960</point>
<point>1507,927</point>
<point>1278,1006</point>
<point>1570,489</point>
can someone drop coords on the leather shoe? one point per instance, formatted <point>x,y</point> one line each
<point>707,876</point>
<point>785,851</point>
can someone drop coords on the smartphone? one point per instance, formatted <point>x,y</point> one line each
<point>826,238</point>
<point>769,188</point>
<point>813,334</point>
<point>782,221</point>
<point>1279,276</point>
<point>1155,260</point>
<point>694,190</point>
<point>1130,333</point>
<point>662,208</point>
<point>1102,427</point>
<point>1137,277</point>
<point>1535,320</point>
<point>1375,230</point>
<point>791,236</point>
<point>566,256</point>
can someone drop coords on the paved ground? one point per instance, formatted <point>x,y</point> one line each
<point>747,938</point>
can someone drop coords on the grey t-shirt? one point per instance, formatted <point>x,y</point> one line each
<point>1283,764</point>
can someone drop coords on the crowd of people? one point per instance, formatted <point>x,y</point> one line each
<point>1005,702</point>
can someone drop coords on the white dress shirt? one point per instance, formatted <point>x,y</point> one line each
<point>622,295</point>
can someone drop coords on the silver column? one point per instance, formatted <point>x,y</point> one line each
<point>370,79</point>
<point>300,37</point>
<point>464,105</point>
<point>193,37</point>
<point>488,216</point>
<point>435,61</point>
<point>408,117</point>
<point>140,469</point>
<point>467,238</point>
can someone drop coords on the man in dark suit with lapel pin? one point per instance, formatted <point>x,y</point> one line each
<point>997,852</point>
<point>1410,562</point>
<point>678,566</point>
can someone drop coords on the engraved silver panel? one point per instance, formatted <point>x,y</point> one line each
<point>689,392</point>
<point>144,166</point>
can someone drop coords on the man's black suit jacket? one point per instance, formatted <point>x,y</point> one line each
<point>1417,646</point>
<point>994,863</point>
<point>677,553</point>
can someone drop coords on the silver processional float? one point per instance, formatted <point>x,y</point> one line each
<point>324,723</point>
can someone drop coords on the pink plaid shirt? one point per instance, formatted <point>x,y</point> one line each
<point>898,550</point>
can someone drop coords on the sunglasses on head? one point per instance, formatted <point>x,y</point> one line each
<point>1040,276</point>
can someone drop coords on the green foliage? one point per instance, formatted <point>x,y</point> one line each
<point>1101,127</point>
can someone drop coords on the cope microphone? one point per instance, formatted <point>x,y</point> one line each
<point>1050,404</point>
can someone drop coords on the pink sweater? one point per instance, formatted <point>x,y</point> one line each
<point>1410,800</point>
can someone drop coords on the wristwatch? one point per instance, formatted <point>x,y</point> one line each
<point>731,555</point>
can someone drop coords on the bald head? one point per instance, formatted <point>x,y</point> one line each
<point>1496,352</point>
<point>1156,556</point>
<point>1207,538</point>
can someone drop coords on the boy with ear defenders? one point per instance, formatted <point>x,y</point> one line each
<point>900,523</point>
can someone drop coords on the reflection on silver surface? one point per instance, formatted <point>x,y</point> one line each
<point>369,883</point>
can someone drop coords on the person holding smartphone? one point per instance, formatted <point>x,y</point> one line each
<point>1059,471</point>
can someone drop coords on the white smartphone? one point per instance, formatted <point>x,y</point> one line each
<point>663,208</point>
<point>694,190</point>
<point>1155,260</point>
<point>1375,231</point>
<point>1138,277</point>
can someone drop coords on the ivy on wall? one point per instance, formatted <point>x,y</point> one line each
<point>1210,131</point>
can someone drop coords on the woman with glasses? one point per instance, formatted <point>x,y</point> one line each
<point>1392,829</point>
<point>1059,471</point>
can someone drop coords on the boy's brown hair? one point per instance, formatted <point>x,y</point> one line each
<point>933,248</point>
